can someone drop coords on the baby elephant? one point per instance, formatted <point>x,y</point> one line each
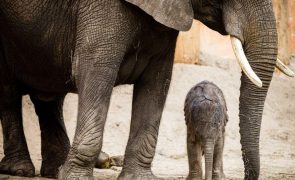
<point>206,116</point>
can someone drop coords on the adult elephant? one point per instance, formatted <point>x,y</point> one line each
<point>50,48</point>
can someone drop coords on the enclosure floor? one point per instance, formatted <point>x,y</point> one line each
<point>111,175</point>
<point>277,142</point>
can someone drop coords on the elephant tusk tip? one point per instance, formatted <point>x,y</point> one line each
<point>259,83</point>
<point>292,74</point>
<point>283,68</point>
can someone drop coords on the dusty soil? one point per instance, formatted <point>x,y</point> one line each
<point>277,134</point>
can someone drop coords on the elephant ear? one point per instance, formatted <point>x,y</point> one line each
<point>176,14</point>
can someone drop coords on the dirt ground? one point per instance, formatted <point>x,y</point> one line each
<point>277,134</point>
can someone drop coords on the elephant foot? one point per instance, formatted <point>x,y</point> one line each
<point>49,171</point>
<point>194,177</point>
<point>218,176</point>
<point>50,165</point>
<point>17,166</point>
<point>72,172</point>
<point>127,175</point>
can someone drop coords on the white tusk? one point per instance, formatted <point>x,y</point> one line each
<point>242,59</point>
<point>282,67</point>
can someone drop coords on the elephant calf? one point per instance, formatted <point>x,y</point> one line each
<point>206,116</point>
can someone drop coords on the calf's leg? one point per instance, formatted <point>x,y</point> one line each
<point>218,159</point>
<point>194,153</point>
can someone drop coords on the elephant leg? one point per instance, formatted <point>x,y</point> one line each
<point>55,143</point>
<point>17,159</point>
<point>95,85</point>
<point>194,153</point>
<point>218,159</point>
<point>149,97</point>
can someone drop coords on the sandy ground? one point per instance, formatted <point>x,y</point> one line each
<point>277,134</point>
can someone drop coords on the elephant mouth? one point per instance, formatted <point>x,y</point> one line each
<point>245,65</point>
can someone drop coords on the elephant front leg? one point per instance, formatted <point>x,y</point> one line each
<point>17,159</point>
<point>55,143</point>
<point>95,87</point>
<point>148,102</point>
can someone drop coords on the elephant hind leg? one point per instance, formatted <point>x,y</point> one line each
<point>55,143</point>
<point>149,96</point>
<point>17,159</point>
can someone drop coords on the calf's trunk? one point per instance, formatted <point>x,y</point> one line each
<point>208,151</point>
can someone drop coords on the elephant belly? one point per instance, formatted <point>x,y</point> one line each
<point>38,68</point>
<point>153,43</point>
<point>132,67</point>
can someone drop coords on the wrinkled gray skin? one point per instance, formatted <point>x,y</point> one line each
<point>206,116</point>
<point>50,48</point>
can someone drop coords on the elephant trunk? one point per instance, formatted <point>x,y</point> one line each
<point>252,98</point>
<point>208,151</point>
<point>258,34</point>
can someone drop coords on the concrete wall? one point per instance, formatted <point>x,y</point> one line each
<point>200,40</point>
<point>188,45</point>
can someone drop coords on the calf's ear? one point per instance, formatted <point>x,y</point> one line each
<point>176,14</point>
